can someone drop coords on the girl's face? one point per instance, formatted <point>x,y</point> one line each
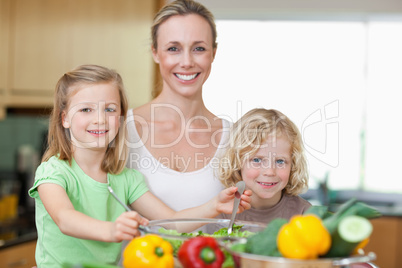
<point>185,53</point>
<point>92,115</point>
<point>267,172</point>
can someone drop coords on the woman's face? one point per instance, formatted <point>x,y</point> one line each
<point>185,53</point>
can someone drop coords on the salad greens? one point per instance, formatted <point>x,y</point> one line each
<point>265,243</point>
<point>220,233</point>
<point>223,232</point>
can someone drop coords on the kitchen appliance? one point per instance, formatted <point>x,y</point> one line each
<point>27,162</point>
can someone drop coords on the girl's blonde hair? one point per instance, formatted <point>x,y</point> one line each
<point>59,141</point>
<point>247,136</point>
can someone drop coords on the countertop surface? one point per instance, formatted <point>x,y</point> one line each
<point>388,204</point>
<point>19,230</point>
<point>22,229</point>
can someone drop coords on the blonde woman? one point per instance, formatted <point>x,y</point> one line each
<point>174,140</point>
<point>266,152</point>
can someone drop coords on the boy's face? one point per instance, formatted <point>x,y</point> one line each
<point>92,115</point>
<point>267,172</point>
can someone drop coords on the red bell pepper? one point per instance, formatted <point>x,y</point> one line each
<point>201,252</point>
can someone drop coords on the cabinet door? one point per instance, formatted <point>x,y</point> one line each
<point>4,37</point>
<point>49,38</point>
<point>115,34</point>
<point>385,241</point>
<point>20,256</point>
<point>40,48</point>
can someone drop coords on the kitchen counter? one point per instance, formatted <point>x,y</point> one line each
<point>386,211</point>
<point>18,240</point>
<point>19,230</point>
<point>389,211</point>
<point>388,204</point>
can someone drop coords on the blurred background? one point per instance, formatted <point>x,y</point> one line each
<point>333,67</point>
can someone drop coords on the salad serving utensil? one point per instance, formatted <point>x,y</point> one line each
<point>140,227</point>
<point>241,185</point>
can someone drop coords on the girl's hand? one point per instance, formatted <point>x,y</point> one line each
<point>77,224</point>
<point>126,226</point>
<point>226,197</point>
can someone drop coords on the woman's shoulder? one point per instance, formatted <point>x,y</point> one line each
<point>143,111</point>
<point>137,120</point>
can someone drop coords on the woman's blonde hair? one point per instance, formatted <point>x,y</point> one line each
<point>247,136</point>
<point>179,8</point>
<point>182,8</point>
<point>59,141</point>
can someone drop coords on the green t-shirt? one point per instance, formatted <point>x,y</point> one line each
<point>89,197</point>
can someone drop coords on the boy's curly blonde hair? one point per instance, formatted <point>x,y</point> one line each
<point>247,136</point>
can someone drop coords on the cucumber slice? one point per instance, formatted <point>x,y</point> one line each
<point>350,232</point>
<point>354,228</point>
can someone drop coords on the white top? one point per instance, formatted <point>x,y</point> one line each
<point>178,190</point>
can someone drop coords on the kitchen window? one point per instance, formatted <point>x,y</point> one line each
<point>338,81</point>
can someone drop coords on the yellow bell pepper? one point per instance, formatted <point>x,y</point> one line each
<point>304,237</point>
<point>148,251</point>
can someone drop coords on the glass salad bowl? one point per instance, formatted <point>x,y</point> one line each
<point>247,260</point>
<point>176,231</point>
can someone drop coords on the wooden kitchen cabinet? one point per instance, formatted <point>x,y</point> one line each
<point>39,51</point>
<point>4,37</point>
<point>386,241</point>
<point>47,38</point>
<point>4,20</point>
<point>116,34</point>
<point>20,256</point>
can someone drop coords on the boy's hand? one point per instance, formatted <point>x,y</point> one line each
<point>226,200</point>
<point>126,226</point>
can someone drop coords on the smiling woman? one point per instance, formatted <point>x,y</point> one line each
<point>175,140</point>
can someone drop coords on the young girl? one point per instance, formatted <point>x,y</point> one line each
<point>76,217</point>
<point>266,152</point>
